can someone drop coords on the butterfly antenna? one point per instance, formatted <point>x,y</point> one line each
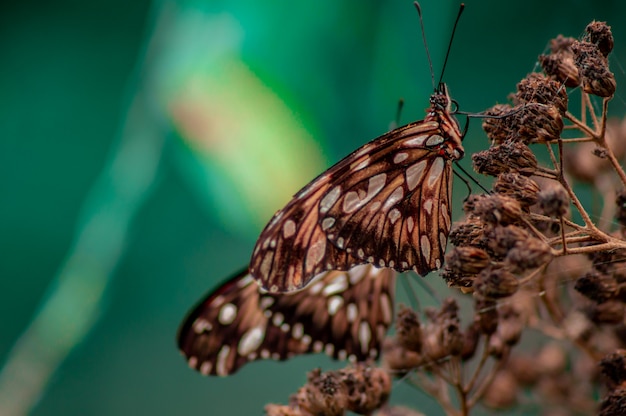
<point>456,23</point>
<point>430,62</point>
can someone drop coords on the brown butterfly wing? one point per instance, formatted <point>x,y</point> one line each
<point>387,203</point>
<point>345,314</point>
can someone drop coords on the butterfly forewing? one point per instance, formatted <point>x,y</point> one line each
<point>387,203</point>
<point>344,314</point>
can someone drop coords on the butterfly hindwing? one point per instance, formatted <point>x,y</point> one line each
<point>344,314</point>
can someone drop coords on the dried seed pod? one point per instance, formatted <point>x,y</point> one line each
<point>518,187</point>
<point>510,156</point>
<point>494,126</point>
<point>613,366</point>
<point>502,392</point>
<point>281,410</point>
<point>495,282</point>
<point>552,359</point>
<point>524,369</point>
<point>471,336</point>
<point>443,335</point>
<point>599,33</point>
<point>323,394</point>
<point>612,403</point>
<point>408,329</point>
<point>398,359</point>
<point>454,279</point>
<point>594,71</point>
<point>470,233</point>
<point>527,255</point>
<point>511,324</point>
<point>560,63</point>
<point>498,209</point>
<point>367,388</point>
<point>554,201</point>
<point>596,286</point>
<point>611,312</point>
<point>502,239</point>
<point>467,260</point>
<point>538,123</point>
<point>537,88</point>
<point>486,315</point>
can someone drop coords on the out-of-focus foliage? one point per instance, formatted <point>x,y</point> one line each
<point>214,113</point>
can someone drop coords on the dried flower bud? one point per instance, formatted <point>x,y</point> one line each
<point>495,283</point>
<point>468,233</point>
<point>506,157</point>
<point>597,287</point>
<point>524,369</point>
<point>594,71</point>
<point>486,317</point>
<point>560,62</point>
<point>613,366</point>
<point>502,392</point>
<point>552,359</point>
<point>494,126</point>
<point>443,335</point>
<point>613,403</point>
<point>518,187</point>
<point>599,33</point>
<point>467,260</point>
<point>537,88</point>
<point>408,329</point>
<point>501,239</point>
<point>281,410</point>
<point>610,312</point>
<point>498,209</point>
<point>470,341</point>
<point>538,123</point>
<point>323,394</point>
<point>528,254</point>
<point>454,279</point>
<point>554,201</point>
<point>367,388</point>
<point>398,359</point>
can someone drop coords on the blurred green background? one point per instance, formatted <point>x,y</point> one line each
<point>144,144</point>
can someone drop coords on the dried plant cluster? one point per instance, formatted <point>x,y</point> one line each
<point>545,275</point>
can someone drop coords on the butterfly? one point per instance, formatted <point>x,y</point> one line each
<point>344,314</point>
<point>387,204</point>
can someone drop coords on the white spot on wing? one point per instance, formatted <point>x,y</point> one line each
<point>222,356</point>
<point>352,312</point>
<point>251,340</point>
<point>289,229</point>
<point>428,206</point>
<point>200,325</point>
<point>227,314</point>
<point>329,200</point>
<point>338,284</point>
<point>434,140</point>
<point>316,253</point>
<point>298,330</point>
<point>435,171</point>
<point>376,183</point>
<point>395,197</point>
<point>417,141</point>
<point>206,367</point>
<point>425,246</point>
<point>245,281</point>
<point>278,319</point>
<point>266,302</point>
<point>393,215</point>
<point>400,157</point>
<point>386,307</point>
<point>414,174</point>
<point>334,304</point>
<point>327,223</point>
<point>365,336</point>
<point>409,224</point>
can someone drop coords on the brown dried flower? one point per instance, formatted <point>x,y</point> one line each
<point>510,156</point>
<point>518,187</point>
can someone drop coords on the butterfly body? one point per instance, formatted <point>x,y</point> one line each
<point>387,204</point>
<point>344,314</point>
